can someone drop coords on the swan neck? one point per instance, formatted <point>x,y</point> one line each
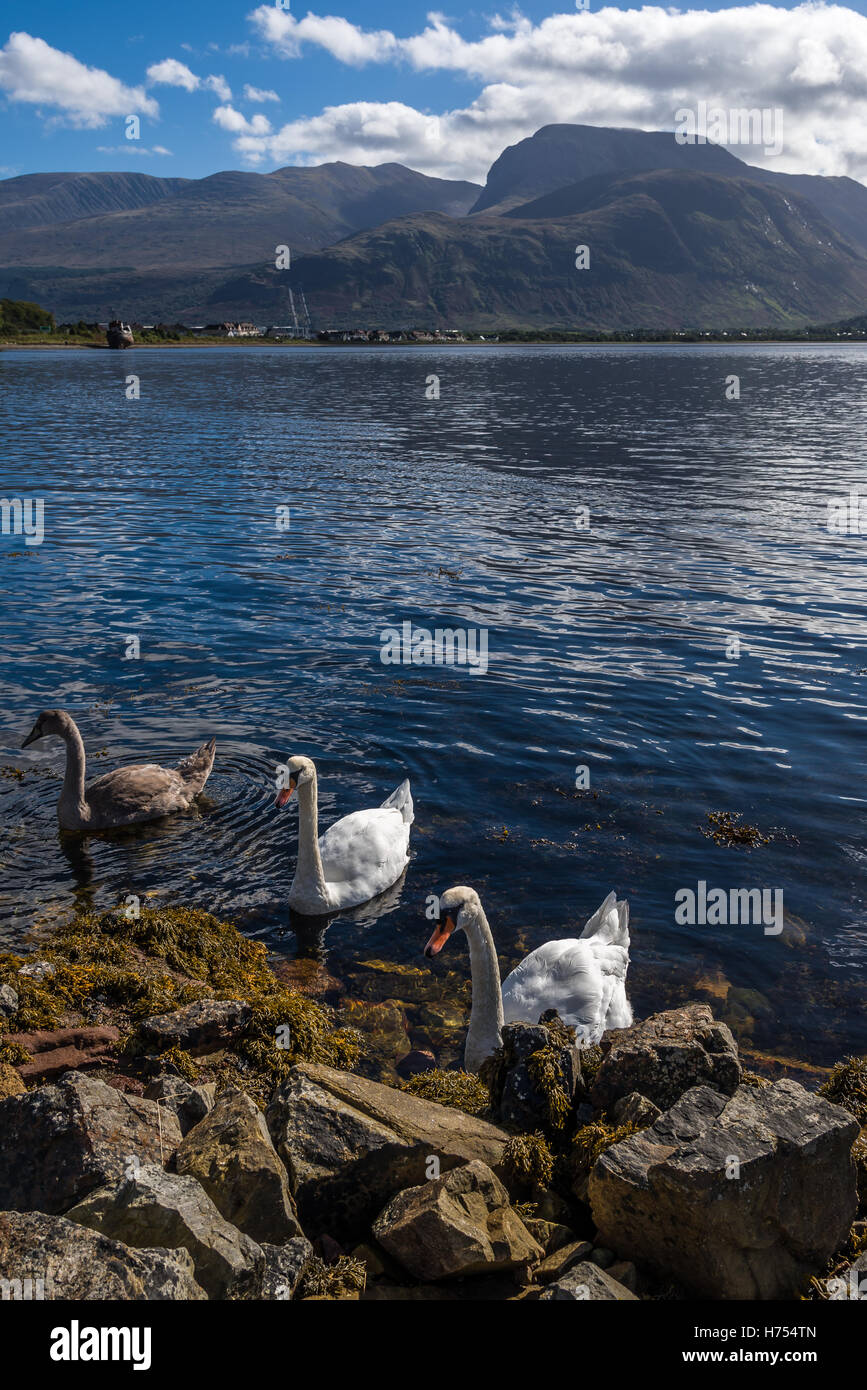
<point>308,870</point>
<point>486,1014</point>
<point>76,762</point>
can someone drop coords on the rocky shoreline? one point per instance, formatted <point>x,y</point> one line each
<point>178,1122</point>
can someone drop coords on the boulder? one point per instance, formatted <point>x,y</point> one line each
<point>8,1001</point>
<point>62,1049</point>
<point>536,1076</point>
<point>283,1267</point>
<point>38,970</point>
<point>59,1142</point>
<point>735,1196</point>
<point>231,1154</point>
<point>188,1103</point>
<point>159,1208</point>
<point>458,1224</point>
<point>204,1026</point>
<point>75,1263</point>
<point>554,1266</point>
<point>551,1235</point>
<point>349,1143</point>
<point>635,1109</point>
<point>585,1283</point>
<point>665,1055</point>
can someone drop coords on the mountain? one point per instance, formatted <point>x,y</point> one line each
<point>561,155</point>
<point>668,249</point>
<point>232,218</point>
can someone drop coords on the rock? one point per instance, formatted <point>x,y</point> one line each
<point>77,1134</point>
<point>635,1109</point>
<point>204,1026</point>
<point>10,1082</point>
<point>550,1234</point>
<point>663,1056</point>
<point>371,1259</point>
<point>455,1225</point>
<point>601,1257</point>
<point>231,1153</point>
<point>584,1283</point>
<point>415,1062</point>
<point>665,1195</point>
<point>383,1027</point>
<point>8,1001</point>
<point>349,1143</point>
<point>76,1263</point>
<point>625,1274</point>
<point>851,1284</point>
<point>188,1103</point>
<point>38,970</point>
<point>63,1049</point>
<point>166,1209</point>
<point>555,1266</point>
<point>535,1083</point>
<point>283,1267</point>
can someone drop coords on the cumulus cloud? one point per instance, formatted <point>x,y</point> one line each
<point>258,94</point>
<point>258,127</point>
<point>171,73</point>
<point>606,67</point>
<point>32,71</point>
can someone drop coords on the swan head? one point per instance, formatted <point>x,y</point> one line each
<point>298,772</point>
<point>459,907</point>
<point>50,721</point>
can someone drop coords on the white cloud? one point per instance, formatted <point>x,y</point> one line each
<point>606,67</point>
<point>229,119</point>
<point>32,71</point>
<point>259,94</point>
<point>171,73</point>
<point>133,149</point>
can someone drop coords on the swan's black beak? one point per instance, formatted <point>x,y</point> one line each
<point>31,737</point>
<point>441,933</point>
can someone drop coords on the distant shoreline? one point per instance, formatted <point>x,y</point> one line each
<point>245,343</point>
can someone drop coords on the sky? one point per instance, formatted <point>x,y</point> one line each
<point>216,84</point>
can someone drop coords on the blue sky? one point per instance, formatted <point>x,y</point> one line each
<point>241,85</point>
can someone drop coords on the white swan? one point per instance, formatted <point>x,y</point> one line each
<point>126,796</point>
<point>356,859</point>
<point>584,979</point>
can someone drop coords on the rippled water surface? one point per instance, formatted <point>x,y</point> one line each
<point>607,646</point>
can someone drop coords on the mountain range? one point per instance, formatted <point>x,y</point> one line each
<point>679,237</point>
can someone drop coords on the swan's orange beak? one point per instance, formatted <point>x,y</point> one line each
<point>284,794</point>
<point>441,933</point>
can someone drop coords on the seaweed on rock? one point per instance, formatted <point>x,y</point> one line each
<point>459,1089</point>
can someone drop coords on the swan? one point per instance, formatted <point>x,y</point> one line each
<point>123,797</point>
<point>584,979</point>
<point>356,859</point>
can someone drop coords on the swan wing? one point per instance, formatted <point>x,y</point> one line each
<point>561,975</point>
<point>364,853</point>
<point>133,793</point>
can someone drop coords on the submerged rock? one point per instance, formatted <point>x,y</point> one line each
<point>665,1055</point>
<point>73,1262</point>
<point>349,1143</point>
<point>159,1208</point>
<point>586,1283</point>
<point>459,1224</point>
<point>59,1142</point>
<point>735,1196</point>
<point>231,1154</point>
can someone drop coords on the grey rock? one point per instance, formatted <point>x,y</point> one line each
<point>231,1154</point>
<point>8,1001</point>
<point>664,1056</point>
<point>204,1026</point>
<point>284,1265</point>
<point>75,1263</point>
<point>188,1103</point>
<point>77,1134</point>
<point>519,1100</point>
<point>38,970</point>
<point>455,1225</point>
<point>737,1197</point>
<point>586,1283</point>
<point>635,1109</point>
<point>165,1209</point>
<point>348,1144</point>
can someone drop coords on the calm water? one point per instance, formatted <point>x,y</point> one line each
<point>607,646</point>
